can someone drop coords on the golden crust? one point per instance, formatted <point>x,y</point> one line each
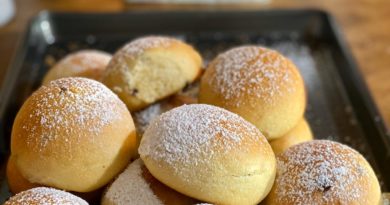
<point>300,133</point>
<point>209,154</point>
<point>16,182</point>
<point>85,63</point>
<point>260,85</point>
<point>151,68</point>
<point>323,172</point>
<point>74,134</point>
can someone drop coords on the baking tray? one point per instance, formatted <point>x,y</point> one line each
<point>339,105</point>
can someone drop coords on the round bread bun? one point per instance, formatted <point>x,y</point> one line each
<point>300,133</point>
<point>210,154</point>
<point>16,182</point>
<point>44,195</point>
<point>323,172</point>
<point>73,134</point>
<point>260,85</point>
<point>151,68</point>
<point>84,63</point>
<point>138,186</point>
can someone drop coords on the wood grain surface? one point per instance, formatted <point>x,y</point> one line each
<point>365,25</point>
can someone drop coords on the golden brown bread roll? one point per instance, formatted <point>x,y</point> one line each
<point>16,182</point>
<point>210,154</point>
<point>46,196</point>
<point>258,84</point>
<point>300,133</point>
<point>323,172</point>
<point>73,134</point>
<point>151,68</point>
<point>84,63</point>
<point>137,186</point>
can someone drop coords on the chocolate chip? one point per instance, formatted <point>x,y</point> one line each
<point>63,90</point>
<point>187,86</point>
<point>134,91</point>
<point>327,188</point>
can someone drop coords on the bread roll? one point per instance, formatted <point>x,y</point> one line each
<point>138,187</point>
<point>300,133</point>
<point>323,172</point>
<point>210,154</point>
<point>45,196</point>
<point>84,63</point>
<point>16,182</point>
<point>73,134</point>
<point>151,68</point>
<point>260,85</point>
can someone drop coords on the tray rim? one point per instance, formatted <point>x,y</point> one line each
<point>358,81</point>
<point>361,84</point>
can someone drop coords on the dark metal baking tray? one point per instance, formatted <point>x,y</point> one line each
<point>339,105</point>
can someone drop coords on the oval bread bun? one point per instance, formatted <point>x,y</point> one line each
<point>138,186</point>
<point>323,172</point>
<point>84,63</point>
<point>73,134</point>
<point>16,182</point>
<point>47,196</point>
<point>260,85</point>
<point>300,133</point>
<point>210,154</point>
<point>151,68</point>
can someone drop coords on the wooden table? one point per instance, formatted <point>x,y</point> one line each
<point>365,24</point>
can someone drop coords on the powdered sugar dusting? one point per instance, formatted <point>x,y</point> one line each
<point>131,188</point>
<point>65,106</point>
<point>85,59</point>
<point>143,117</point>
<point>251,70</point>
<point>192,134</point>
<point>87,63</point>
<point>139,45</point>
<point>45,196</point>
<point>320,172</point>
<point>120,61</point>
